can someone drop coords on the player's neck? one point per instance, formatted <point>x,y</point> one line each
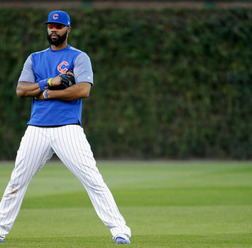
<point>59,47</point>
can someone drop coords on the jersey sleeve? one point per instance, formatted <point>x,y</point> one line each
<point>27,73</point>
<point>83,69</point>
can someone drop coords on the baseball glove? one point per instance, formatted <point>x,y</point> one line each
<point>67,80</point>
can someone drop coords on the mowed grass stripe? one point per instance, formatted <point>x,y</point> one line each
<point>150,197</point>
<point>143,221</point>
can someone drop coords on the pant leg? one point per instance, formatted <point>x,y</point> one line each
<point>33,153</point>
<point>73,149</point>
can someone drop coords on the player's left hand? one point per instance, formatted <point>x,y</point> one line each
<point>67,80</point>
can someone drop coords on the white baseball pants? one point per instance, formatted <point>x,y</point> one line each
<point>71,146</point>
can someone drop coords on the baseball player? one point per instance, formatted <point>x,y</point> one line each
<point>55,127</point>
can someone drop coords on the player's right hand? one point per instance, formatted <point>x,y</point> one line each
<point>56,81</point>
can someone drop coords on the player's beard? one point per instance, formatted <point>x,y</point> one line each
<point>57,42</point>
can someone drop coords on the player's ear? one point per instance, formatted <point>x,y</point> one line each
<point>69,29</point>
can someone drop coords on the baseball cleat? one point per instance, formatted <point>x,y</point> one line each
<point>2,240</point>
<point>120,240</point>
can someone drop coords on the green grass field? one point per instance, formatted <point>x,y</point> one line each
<point>166,204</point>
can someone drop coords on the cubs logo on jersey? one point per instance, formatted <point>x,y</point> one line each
<point>62,67</point>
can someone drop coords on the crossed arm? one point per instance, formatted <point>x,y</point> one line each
<point>75,92</point>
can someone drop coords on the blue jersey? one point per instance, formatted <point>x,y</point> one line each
<point>50,63</point>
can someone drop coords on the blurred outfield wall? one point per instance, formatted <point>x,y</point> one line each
<point>128,3</point>
<point>169,83</point>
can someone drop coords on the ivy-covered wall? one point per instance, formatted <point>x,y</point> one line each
<point>171,83</point>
